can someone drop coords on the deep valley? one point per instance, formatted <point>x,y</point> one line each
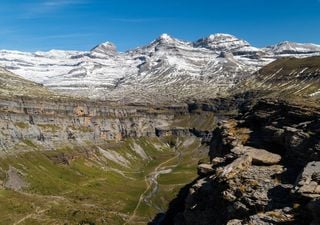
<point>242,152</point>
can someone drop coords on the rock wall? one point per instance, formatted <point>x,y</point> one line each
<point>48,122</point>
<point>264,169</point>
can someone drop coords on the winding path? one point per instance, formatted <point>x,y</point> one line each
<point>149,180</point>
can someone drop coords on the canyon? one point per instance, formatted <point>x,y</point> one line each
<point>242,154</point>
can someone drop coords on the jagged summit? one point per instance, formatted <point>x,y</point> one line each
<point>221,42</point>
<point>167,68</point>
<point>105,48</point>
<point>165,37</point>
<point>221,36</point>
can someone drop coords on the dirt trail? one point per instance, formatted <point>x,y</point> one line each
<point>150,179</point>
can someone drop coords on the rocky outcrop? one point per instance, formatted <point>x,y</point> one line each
<point>287,128</point>
<point>259,156</point>
<point>308,184</point>
<point>15,180</point>
<point>264,169</point>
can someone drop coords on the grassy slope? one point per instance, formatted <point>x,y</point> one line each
<point>90,188</point>
<point>205,121</point>
<point>287,78</point>
<point>12,85</point>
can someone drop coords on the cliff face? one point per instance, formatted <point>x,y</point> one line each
<point>31,113</point>
<point>264,169</point>
<point>105,159</point>
<point>48,122</point>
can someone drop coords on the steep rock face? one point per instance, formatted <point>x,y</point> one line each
<point>264,170</point>
<point>31,115</point>
<point>165,70</point>
<point>106,48</point>
<point>290,128</point>
<point>57,121</point>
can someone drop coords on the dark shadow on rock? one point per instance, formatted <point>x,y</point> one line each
<point>290,174</point>
<point>176,206</point>
<point>280,197</point>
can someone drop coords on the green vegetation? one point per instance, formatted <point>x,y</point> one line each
<point>49,127</point>
<point>202,121</point>
<point>29,143</point>
<point>22,125</point>
<point>287,78</point>
<point>85,185</point>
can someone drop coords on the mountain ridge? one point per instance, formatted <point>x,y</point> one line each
<point>167,69</point>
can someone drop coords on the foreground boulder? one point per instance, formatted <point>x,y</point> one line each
<point>259,156</point>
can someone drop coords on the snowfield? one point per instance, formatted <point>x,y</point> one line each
<point>166,68</point>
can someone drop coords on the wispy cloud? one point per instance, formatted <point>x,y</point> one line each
<point>136,20</point>
<point>32,10</point>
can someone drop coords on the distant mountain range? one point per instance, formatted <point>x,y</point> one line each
<point>167,69</point>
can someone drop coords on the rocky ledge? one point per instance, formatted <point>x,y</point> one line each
<point>264,169</point>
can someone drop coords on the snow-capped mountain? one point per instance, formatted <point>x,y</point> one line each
<point>167,68</point>
<point>287,47</point>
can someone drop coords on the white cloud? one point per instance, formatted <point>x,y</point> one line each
<point>32,10</point>
<point>60,3</point>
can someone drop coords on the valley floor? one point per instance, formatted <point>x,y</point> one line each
<point>109,183</point>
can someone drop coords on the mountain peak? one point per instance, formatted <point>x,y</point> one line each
<point>165,38</point>
<point>105,48</point>
<point>221,42</point>
<point>287,47</point>
<point>220,36</point>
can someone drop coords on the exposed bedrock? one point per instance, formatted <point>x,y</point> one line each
<point>51,122</point>
<point>264,169</point>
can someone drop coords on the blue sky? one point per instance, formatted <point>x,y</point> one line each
<point>32,25</point>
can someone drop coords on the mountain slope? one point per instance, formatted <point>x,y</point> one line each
<point>13,85</point>
<point>167,69</point>
<point>288,77</point>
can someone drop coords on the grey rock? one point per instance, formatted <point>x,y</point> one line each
<point>240,164</point>
<point>14,180</point>
<point>234,222</point>
<point>205,169</point>
<point>308,184</point>
<point>259,156</point>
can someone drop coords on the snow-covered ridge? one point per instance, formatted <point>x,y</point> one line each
<point>165,68</point>
<point>287,47</point>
